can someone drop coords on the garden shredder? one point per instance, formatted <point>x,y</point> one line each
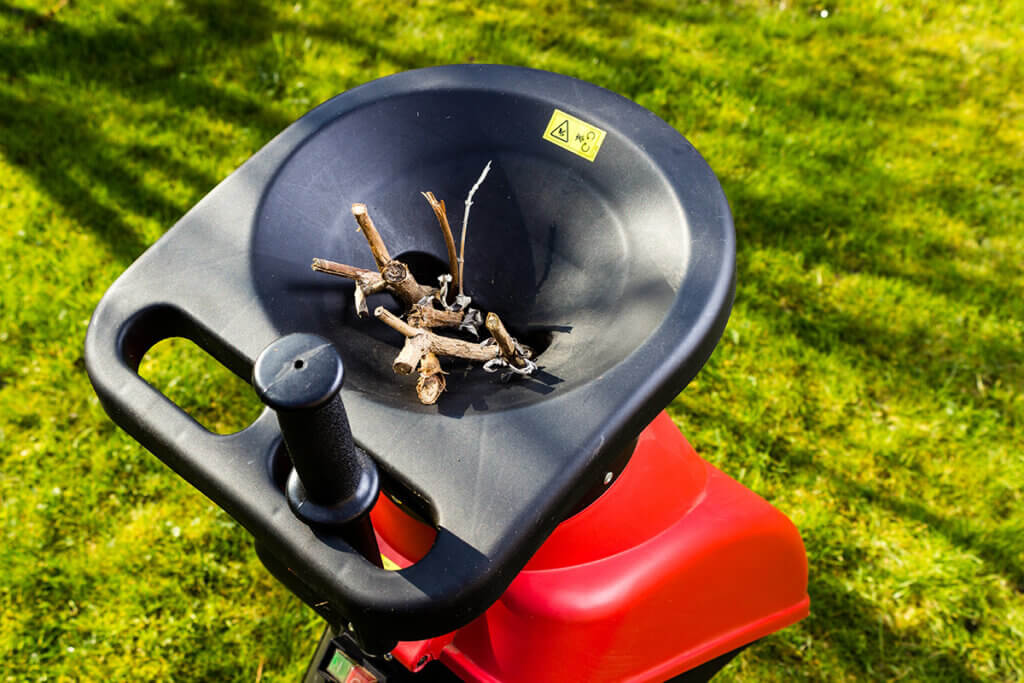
<point>555,526</point>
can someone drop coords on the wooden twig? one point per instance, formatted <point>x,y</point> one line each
<point>431,383</point>
<point>426,316</point>
<point>369,230</point>
<point>465,222</point>
<point>367,281</point>
<point>322,265</point>
<point>442,346</point>
<point>397,277</point>
<point>505,341</point>
<point>449,240</point>
<point>394,322</point>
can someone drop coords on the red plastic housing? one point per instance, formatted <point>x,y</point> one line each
<point>674,565</point>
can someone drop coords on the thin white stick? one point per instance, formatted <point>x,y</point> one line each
<point>465,222</point>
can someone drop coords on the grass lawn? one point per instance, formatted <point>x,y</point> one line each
<point>870,383</point>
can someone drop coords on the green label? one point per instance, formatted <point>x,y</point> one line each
<point>340,666</point>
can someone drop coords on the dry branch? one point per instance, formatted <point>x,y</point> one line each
<point>367,281</point>
<point>369,230</point>
<point>465,223</point>
<point>506,343</point>
<point>394,322</point>
<point>321,265</point>
<point>403,285</point>
<point>449,240</point>
<point>442,346</point>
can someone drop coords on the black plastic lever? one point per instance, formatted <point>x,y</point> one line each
<point>333,484</point>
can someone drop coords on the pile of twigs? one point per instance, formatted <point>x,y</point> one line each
<point>428,308</point>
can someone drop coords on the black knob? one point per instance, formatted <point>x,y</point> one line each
<point>334,484</point>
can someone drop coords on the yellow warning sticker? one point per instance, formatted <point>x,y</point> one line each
<point>569,132</point>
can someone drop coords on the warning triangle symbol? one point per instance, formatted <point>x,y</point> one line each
<point>562,131</point>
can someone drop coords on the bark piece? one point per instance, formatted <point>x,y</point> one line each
<point>426,316</point>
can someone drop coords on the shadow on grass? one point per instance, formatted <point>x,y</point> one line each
<point>144,60</point>
<point>72,184</point>
<point>865,640</point>
<point>851,236</point>
<point>849,627</point>
<point>995,547</point>
<point>864,643</point>
<point>81,165</point>
<point>97,178</point>
<point>910,350</point>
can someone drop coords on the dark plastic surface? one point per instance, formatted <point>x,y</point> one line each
<point>623,265</point>
<point>298,372</point>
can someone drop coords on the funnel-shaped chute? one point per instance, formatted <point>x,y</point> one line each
<point>616,266</point>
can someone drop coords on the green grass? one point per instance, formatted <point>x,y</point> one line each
<point>869,383</point>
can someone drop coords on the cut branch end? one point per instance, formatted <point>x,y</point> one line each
<point>431,383</point>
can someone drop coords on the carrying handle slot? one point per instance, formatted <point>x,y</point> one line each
<point>191,378</point>
<point>165,323</point>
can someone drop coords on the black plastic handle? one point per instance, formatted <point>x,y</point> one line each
<point>333,484</point>
<point>232,470</point>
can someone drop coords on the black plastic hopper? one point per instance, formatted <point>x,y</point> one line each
<point>622,267</point>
